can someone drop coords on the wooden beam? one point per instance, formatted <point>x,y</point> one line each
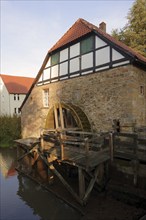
<point>67,186</point>
<point>56,117</point>
<point>61,116</point>
<point>81,182</point>
<point>111,143</point>
<point>62,146</point>
<point>91,185</point>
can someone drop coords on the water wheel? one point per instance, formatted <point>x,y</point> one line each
<point>66,115</point>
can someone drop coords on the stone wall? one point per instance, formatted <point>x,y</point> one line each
<point>103,96</point>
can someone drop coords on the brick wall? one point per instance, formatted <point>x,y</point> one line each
<point>103,96</point>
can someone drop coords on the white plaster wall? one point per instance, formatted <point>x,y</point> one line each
<point>15,103</point>
<point>54,71</point>
<point>46,74</point>
<point>63,68</point>
<point>48,63</point>
<point>75,50</point>
<point>74,65</point>
<point>103,56</point>
<point>4,99</point>
<point>63,55</point>
<point>87,60</point>
<point>99,42</point>
<point>116,55</point>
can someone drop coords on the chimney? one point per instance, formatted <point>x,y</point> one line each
<point>102,26</point>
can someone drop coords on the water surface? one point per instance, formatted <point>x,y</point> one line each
<point>23,199</point>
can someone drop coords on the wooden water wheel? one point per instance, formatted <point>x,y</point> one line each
<point>66,115</point>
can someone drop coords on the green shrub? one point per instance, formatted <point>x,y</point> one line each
<point>10,130</point>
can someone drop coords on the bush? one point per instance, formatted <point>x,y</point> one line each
<point>10,130</point>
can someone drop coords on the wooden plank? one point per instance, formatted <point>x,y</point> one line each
<point>132,135</point>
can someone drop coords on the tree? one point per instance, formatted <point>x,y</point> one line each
<point>133,33</point>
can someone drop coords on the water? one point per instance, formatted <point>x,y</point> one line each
<point>23,199</point>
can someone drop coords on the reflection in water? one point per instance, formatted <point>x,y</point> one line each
<point>23,199</point>
<point>8,162</point>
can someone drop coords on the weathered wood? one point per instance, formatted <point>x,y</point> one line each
<point>56,117</point>
<point>111,143</point>
<point>68,187</point>
<point>62,147</point>
<point>61,116</point>
<point>81,183</point>
<point>28,151</point>
<point>91,185</point>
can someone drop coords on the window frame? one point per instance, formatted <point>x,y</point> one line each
<point>84,47</point>
<point>55,58</point>
<point>45,98</point>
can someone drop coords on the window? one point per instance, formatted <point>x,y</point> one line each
<point>141,90</point>
<point>18,97</point>
<point>15,110</point>
<point>14,96</point>
<point>87,45</point>
<point>46,98</point>
<point>55,59</point>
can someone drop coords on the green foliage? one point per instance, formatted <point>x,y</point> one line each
<point>10,129</point>
<point>134,32</point>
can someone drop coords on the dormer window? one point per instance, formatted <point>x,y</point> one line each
<point>87,45</point>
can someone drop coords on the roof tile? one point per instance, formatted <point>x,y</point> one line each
<point>82,27</point>
<point>17,84</point>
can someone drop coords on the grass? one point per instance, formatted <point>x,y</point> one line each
<point>10,130</point>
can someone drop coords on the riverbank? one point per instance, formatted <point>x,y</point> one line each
<point>10,130</point>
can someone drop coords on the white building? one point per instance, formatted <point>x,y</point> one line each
<point>13,90</point>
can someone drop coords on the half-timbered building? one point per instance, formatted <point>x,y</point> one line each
<point>88,80</point>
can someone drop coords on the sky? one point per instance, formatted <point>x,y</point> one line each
<point>29,28</point>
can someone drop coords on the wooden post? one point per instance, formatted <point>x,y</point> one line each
<point>68,187</point>
<point>61,116</point>
<point>62,146</point>
<point>42,142</point>
<point>87,152</point>
<point>91,185</point>
<point>56,117</point>
<point>81,182</point>
<point>135,166</point>
<point>111,143</point>
<point>135,162</point>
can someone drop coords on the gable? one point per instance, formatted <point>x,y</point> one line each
<point>107,53</point>
<point>90,54</point>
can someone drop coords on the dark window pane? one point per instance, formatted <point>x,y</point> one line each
<point>55,59</point>
<point>87,45</point>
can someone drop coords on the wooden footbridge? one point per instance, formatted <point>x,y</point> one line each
<point>89,153</point>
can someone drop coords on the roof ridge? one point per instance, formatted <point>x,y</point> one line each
<point>80,20</point>
<point>117,42</point>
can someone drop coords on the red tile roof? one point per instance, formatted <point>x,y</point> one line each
<point>17,84</point>
<point>82,27</point>
<point>77,30</point>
